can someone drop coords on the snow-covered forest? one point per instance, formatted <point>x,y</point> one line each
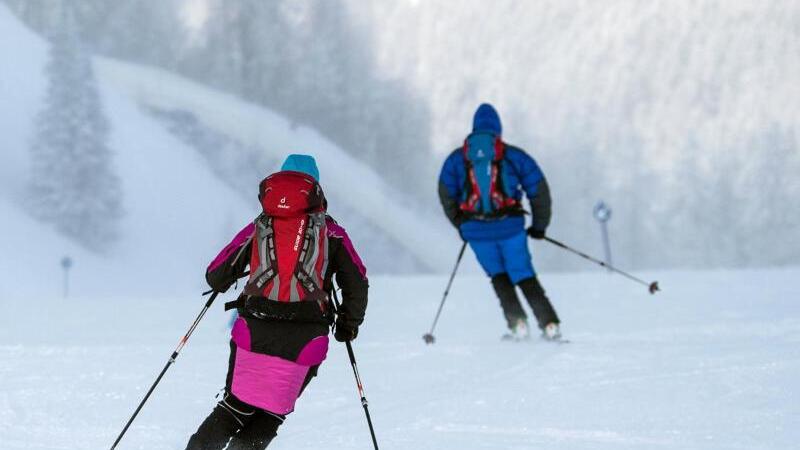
<point>72,184</point>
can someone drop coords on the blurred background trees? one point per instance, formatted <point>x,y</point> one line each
<point>684,116</point>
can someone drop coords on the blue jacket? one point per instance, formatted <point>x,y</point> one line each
<point>520,174</point>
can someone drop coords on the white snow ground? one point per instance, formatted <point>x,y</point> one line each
<point>712,362</point>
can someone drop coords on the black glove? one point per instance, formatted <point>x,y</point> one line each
<point>535,233</point>
<point>344,332</point>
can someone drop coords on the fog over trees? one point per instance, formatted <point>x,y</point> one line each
<point>73,184</point>
<point>307,60</point>
<point>684,116</point>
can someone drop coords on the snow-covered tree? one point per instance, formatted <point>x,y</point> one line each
<point>73,185</point>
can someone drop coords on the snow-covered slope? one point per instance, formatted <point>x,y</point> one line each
<point>31,257</point>
<point>345,178</point>
<point>176,213</point>
<point>711,363</point>
<point>22,59</point>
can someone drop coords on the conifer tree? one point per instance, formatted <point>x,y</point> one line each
<point>73,185</point>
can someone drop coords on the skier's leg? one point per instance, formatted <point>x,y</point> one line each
<point>539,302</point>
<point>518,261</point>
<point>490,257</point>
<point>516,257</point>
<point>507,294</point>
<point>228,417</point>
<point>264,427</point>
<point>258,433</point>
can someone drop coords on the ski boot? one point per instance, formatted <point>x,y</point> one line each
<point>520,331</point>
<point>551,332</point>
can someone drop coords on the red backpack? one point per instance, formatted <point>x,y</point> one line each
<point>484,192</point>
<point>289,253</point>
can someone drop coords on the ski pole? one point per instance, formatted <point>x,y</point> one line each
<point>651,287</point>
<point>428,337</point>
<point>171,360</point>
<point>360,385</point>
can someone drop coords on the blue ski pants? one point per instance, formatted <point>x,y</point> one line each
<point>508,255</point>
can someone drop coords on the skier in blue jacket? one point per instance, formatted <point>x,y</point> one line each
<point>480,187</point>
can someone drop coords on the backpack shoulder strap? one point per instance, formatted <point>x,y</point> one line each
<point>264,243</point>
<point>471,187</point>
<point>308,257</point>
<point>465,153</point>
<point>499,149</point>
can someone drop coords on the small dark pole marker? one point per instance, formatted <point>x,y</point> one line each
<point>603,214</point>
<point>66,264</point>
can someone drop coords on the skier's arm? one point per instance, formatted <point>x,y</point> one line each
<point>449,190</point>
<point>351,276</point>
<point>535,186</point>
<point>541,205</point>
<point>449,205</point>
<point>231,263</point>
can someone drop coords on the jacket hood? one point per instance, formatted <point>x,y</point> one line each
<point>486,119</point>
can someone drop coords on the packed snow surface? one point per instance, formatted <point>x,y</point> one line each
<point>712,362</point>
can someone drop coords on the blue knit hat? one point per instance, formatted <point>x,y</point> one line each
<point>487,119</point>
<point>302,163</point>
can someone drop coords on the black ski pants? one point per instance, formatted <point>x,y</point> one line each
<point>534,294</point>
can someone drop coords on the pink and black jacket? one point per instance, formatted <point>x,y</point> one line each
<point>343,263</point>
<point>276,346</point>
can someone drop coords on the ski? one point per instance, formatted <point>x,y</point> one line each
<point>509,338</point>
